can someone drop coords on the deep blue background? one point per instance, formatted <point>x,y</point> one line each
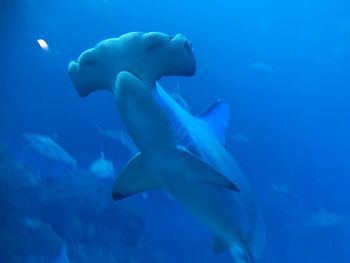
<point>297,116</point>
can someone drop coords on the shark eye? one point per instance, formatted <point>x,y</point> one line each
<point>188,45</point>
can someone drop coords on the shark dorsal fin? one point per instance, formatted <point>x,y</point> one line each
<point>217,116</point>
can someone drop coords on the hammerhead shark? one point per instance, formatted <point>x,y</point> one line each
<point>179,153</point>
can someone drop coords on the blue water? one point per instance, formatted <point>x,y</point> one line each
<point>284,68</point>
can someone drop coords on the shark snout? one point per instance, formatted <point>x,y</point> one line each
<point>180,37</point>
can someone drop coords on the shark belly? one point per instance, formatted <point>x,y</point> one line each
<point>144,116</point>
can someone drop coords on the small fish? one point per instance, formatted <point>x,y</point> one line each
<point>240,137</point>
<point>260,66</point>
<point>279,188</point>
<point>46,146</point>
<point>102,167</point>
<point>120,136</point>
<point>31,222</point>
<point>321,218</point>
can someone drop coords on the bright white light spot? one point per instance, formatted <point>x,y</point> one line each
<point>42,43</point>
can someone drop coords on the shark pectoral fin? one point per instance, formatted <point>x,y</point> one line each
<point>220,245</point>
<point>204,173</point>
<point>133,179</point>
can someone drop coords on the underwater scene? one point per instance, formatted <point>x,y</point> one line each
<point>174,131</point>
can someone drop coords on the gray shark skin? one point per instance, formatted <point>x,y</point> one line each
<point>185,156</point>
